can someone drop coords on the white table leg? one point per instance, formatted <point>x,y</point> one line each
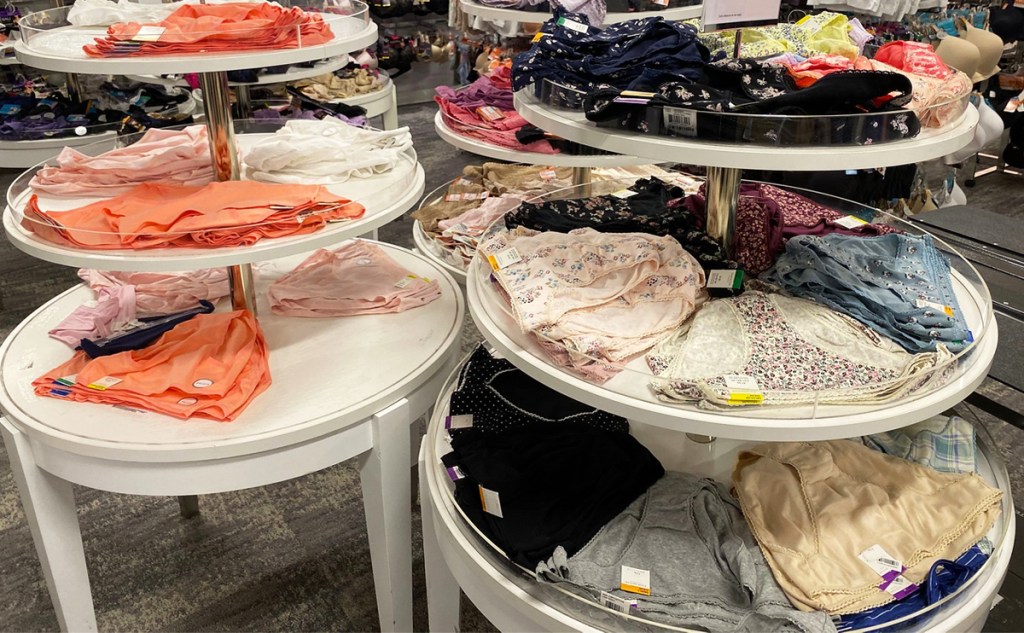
<point>390,116</point>
<point>386,481</point>
<point>50,509</point>
<point>442,589</point>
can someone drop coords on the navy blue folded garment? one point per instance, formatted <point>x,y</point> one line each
<point>571,52</point>
<point>944,578</point>
<point>144,335</point>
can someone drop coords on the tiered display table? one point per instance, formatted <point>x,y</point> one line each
<point>342,387</point>
<point>457,556</point>
<point>688,438</point>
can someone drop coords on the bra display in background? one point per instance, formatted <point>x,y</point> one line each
<point>33,109</point>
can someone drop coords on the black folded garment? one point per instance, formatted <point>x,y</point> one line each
<point>647,206</point>
<point>497,397</point>
<point>547,484</point>
<point>732,105</point>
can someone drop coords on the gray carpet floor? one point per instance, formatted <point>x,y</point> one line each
<point>291,556</point>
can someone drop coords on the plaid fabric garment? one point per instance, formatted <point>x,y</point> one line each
<point>945,444</point>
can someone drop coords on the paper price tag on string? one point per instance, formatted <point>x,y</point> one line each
<point>148,34</point>
<point>615,603</point>
<point>635,580</point>
<point>731,279</point>
<point>102,384</point>
<point>458,421</point>
<point>548,174</point>
<point>880,561</point>
<point>719,13</point>
<point>405,281</point>
<point>505,258</point>
<point>850,222</point>
<point>572,25</point>
<point>899,587</point>
<point>743,389</point>
<point>490,113</point>
<point>947,310</point>
<point>491,502</point>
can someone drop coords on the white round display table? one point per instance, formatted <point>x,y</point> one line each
<point>628,393</point>
<point>531,17</point>
<point>60,49</point>
<point>457,556</point>
<point>573,125</point>
<point>318,412</point>
<point>21,154</point>
<point>426,247</point>
<point>383,103</point>
<point>497,152</point>
<point>292,74</point>
<point>385,197</point>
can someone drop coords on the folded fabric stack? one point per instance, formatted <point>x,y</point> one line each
<point>478,198</point>
<point>162,293</point>
<point>179,157</point>
<point>108,12</point>
<point>206,28</point>
<point>325,151</point>
<point>348,82</point>
<point>458,219</point>
<point>633,55</point>
<point>595,300</point>
<point>824,33</point>
<point>357,278</point>
<point>50,115</point>
<point>484,111</point>
<point>815,510</point>
<point>551,475</point>
<point>898,285</point>
<point>647,206</point>
<point>938,92</point>
<point>768,216</point>
<point>231,213</point>
<point>498,397</point>
<point>705,570</point>
<point>776,350</point>
<point>113,309</point>
<point>460,235</point>
<point>948,445</point>
<point>211,366</point>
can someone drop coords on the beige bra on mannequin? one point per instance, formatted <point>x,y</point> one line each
<point>960,54</point>
<point>990,49</point>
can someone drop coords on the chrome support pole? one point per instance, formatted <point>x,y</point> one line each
<point>581,177</point>
<point>225,167</point>
<point>218,123</point>
<point>723,194</point>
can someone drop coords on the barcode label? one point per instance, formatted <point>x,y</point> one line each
<point>679,121</point>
